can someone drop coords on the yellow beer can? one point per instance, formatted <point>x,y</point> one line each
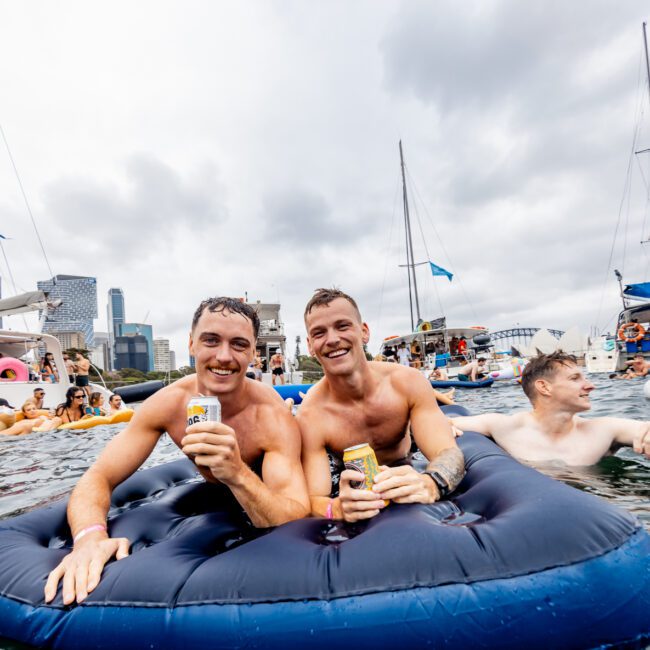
<point>361,458</point>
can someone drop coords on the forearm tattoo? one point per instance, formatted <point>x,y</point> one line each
<point>450,464</point>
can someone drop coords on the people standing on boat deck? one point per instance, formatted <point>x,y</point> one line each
<point>257,367</point>
<point>472,371</point>
<point>558,391</point>
<point>254,451</point>
<point>31,420</point>
<point>39,398</point>
<point>69,367</point>
<point>82,368</point>
<point>360,401</point>
<point>403,355</point>
<point>49,372</point>
<point>462,346</point>
<point>416,356</point>
<point>277,367</point>
<point>114,404</point>
<point>453,346</point>
<point>73,408</point>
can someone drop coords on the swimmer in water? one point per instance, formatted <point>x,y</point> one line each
<point>558,391</point>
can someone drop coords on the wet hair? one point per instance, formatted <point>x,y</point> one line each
<point>94,398</point>
<point>543,366</point>
<point>250,375</point>
<point>323,297</point>
<point>112,397</point>
<point>233,305</point>
<point>481,359</point>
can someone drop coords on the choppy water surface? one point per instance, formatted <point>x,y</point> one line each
<point>39,468</point>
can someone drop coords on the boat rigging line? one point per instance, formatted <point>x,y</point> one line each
<point>29,210</point>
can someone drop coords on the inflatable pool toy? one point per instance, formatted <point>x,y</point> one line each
<point>124,415</point>
<point>456,383</point>
<point>21,416</point>
<point>513,370</point>
<point>293,391</point>
<point>646,389</point>
<point>512,560</point>
<point>13,370</point>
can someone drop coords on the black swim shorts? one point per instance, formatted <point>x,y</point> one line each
<point>82,380</point>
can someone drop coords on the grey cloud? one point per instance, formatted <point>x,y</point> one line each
<point>154,204</point>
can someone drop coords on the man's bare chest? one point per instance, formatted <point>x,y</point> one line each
<point>381,426</point>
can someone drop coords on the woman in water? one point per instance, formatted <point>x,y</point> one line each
<point>96,405</point>
<point>32,421</point>
<point>73,408</point>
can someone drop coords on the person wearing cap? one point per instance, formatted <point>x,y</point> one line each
<point>7,415</point>
<point>277,367</point>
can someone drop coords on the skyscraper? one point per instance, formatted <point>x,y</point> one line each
<point>116,316</point>
<point>78,307</point>
<point>161,355</point>
<point>140,329</point>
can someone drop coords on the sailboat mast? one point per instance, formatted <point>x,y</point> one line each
<point>410,262</point>
<point>647,61</point>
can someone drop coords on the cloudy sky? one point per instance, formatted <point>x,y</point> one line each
<point>186,149</point>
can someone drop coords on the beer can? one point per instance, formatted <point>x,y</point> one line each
<point>203,409</point>
<point>361,458</point>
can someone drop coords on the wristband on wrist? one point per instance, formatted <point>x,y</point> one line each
<point>88,529</point>
<point>329,514</point>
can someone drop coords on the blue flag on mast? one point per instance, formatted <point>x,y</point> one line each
<point>438,270</point>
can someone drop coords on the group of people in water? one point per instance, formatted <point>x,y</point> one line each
<point>278,466</point>
<point>33,415</point>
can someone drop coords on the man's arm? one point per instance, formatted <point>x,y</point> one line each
<point>629,433</point>
<point>432,433</point>
<point>88,506</point>
<point>472,375</point>
<point>282,494</point>
<point>485,423</point>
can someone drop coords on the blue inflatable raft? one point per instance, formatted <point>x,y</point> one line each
<point>512,560</point>
<point>456,383</point>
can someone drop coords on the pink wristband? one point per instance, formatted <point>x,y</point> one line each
<point>328,513</point>
<point>88,529</point>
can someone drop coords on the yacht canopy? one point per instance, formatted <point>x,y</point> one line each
<point>641,290</point>
<point>24,302</point>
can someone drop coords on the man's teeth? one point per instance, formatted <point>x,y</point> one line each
<point>221,371</point>
<point>336,353</point>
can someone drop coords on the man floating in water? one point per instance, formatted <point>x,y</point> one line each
<point>254,450</point>
<point>637,367</point>
<point>360,401</point>
<point>558,391</point>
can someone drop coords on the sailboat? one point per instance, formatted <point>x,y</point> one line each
<point>609,353</point>
<point>431,342</point>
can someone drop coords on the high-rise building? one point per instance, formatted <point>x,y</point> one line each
<point>192,362</point>
<point>172,360</point>
<point>78,308</point>
<point>140,329</point>
<point>161,356</point>
<point>100,355</point>
<point>71,340</point>
<point>132,352</point>
<point>116,316</point>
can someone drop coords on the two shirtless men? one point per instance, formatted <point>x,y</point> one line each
<point>357,401</point>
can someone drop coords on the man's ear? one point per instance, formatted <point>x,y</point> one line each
<point>190,345</point>
<point>543,387</point>
<point>365,333</point>
<point>309,348</point>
